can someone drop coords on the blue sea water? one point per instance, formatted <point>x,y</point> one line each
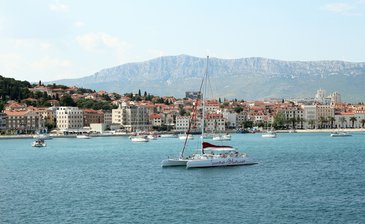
<point>300,178</point>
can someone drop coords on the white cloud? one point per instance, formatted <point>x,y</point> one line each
<point>47,63</point>
<point>32,44</point>
<point>103,41</point>
<point>347,9</point>
<point>58,7</point>
<point>10,63</point>
<point>79,24</point>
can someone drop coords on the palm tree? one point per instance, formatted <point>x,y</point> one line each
<point>342,120</point>
<point>362,123</point>
<point>353,119</point>
<point>301,120</point>
<point>311,123</point>
<point>331,120</point>
<point>322,120</point>
<point>292,120</point>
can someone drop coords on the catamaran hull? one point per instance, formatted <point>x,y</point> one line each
<point>174,162</point>
<point>218,162</point>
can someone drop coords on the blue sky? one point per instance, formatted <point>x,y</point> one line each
<point>54,39</point>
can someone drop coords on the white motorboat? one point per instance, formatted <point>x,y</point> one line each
<point>269,134</point>
<point>42,136</point>
<point>39,143</point>
<point>216,156</point>
<point>222,137</point>
<point>139,138</point>
<point>184,136</point>
<point>208,136</point>
<point>152,137</point>
<point>168,136</point>
<point>83,136</point>
<point>340,134</point>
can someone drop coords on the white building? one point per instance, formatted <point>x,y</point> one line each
<point>310,116</point>
<point>241,118</point>
<point>231,118</point>
<point>215,123</point>
<point>69,118</point>
<point>344,120</point>
<point>320,96</point>
<point>108,118</point>
<point>131,117</point>
<point>182,123</point>
<point>335,98</point>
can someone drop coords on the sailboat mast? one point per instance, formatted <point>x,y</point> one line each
<point>203,105</point>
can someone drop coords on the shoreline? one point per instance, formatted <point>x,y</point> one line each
<point>126,135</point>
<point>323,130</point>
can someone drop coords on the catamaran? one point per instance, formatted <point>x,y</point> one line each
<point>210,155</point>
<point>217,155</point>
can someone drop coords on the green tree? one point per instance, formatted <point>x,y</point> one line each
<point>293,122</point>
<point>353,119</point>
<point>67,101</point>
<point>238,109</point>
<point>322,121</point>
<point>301,121</point>
<point>312,123</point>
<point>362,121</point>
<point>342,120</point>
<point>279,120</point>
<point>331,120</point>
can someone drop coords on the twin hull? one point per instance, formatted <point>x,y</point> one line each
<point>200,163</point>
<point>174,162</point>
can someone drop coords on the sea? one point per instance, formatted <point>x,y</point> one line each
<point>299,178</point>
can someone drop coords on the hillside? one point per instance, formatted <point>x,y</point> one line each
<point>247,78</point>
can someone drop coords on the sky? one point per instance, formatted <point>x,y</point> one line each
<point>56,39</point>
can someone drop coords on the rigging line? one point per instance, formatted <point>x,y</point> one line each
<point>195,109</point>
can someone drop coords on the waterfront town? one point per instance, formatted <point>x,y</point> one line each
<point>135,112</point>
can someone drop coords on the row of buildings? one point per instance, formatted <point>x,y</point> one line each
<point>175,114</point>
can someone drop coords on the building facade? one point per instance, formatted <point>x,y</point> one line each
<point>69,118</point>
<point>131,117</point>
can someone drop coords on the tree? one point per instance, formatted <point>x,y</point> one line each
<point>301,120</point>
<point>362,121</point>
<point>279,120</point>
<point>293,121</point>
<point>238,110</point>
<point>331,120</point>
<point>342,120</point>
<point>139,92</point>
<point>322,121</point>
<point>312,123</point>
<point>66,100</point>
<point>353,119</point>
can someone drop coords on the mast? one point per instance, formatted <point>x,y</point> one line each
<point>203,105</point>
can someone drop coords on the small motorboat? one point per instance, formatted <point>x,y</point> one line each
<point>39,143</point>
<point>222,137</point>
<point>152,137</point>
<point>139,138</point>
<point>83,136</point>
<point>269,134</point>
<point>184,136</point>
<point>340,134</point>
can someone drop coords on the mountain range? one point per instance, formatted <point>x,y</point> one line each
<point>244,78</point>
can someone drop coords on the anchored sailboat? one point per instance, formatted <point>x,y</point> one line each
<point>210,155</point>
